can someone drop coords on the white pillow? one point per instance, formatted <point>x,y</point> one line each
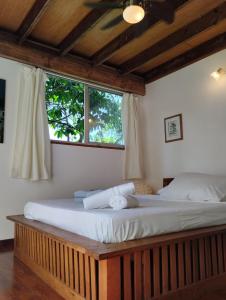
<point>196,187</point>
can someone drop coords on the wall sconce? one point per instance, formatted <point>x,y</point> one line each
<point>218,74</point>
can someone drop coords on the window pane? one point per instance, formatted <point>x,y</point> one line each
<point>105,123</point>
<point>65,108</point>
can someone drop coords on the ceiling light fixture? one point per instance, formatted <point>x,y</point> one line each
<point>133,14</point>
<point>218,74</point>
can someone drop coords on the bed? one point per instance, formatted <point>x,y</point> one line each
<point>165,265</point>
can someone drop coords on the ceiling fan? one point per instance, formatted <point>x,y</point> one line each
<point>134,11</point>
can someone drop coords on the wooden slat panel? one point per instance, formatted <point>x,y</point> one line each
<point>173,267</point>
<point>47,253</point>
<point>214,255</point>
<point>202,259</point>
<point>165,270</point>
<point>109,272</point>
<point>224,250</point>
<point>76,267</point>
<point>195,263</point>
<point>188,262</point>
<point>87,278</point>
<point>43,252</point>
<point>181,266</point>
<point>137,275</point>
<point>220,253</point>
<point>156,271</point>
<point>54,257</point>
<point>26,241</point>
<point>81,275</point>
<point>71,268</point>
<point>39,249</point>
<point>50,256</point>
<point>208,257</point>
<point>147,275</point>
<point>127,277</point>
<point>66,266</point>
<point>93,279</point>
<point>62,265</point>
<point>36,246</point>
<point>58,259</point>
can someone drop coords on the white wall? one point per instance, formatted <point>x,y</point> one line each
<point>202,101</point>
<point>73,167</point>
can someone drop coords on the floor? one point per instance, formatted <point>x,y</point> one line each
<point>17,282</point>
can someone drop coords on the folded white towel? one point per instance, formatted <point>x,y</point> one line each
<point>120,202</point>
<point>101,200</point>
<point>85,193</point>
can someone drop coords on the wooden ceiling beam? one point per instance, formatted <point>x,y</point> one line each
<point>74,67</point>
<point>32,19</point>
<point>128,35</point>
<point>204,50</point>
<point>210,19</point>
<point>68,43</point>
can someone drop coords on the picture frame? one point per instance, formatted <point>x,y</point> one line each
<point>173,128</point>
<point>2,109</point>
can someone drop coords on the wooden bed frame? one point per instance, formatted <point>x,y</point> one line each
<point>175,266</point>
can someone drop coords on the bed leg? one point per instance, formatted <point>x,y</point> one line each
<point>110,279</point>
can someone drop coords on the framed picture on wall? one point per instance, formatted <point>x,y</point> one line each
<point>173,128</point>
<point>2,109</point>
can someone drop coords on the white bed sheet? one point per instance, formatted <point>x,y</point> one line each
<point>153,217</point>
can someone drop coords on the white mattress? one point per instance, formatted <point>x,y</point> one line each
<point>153,217</point>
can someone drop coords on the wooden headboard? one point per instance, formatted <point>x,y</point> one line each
<point>167,180</point>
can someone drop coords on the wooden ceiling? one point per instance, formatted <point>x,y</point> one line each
<point>69,31</point>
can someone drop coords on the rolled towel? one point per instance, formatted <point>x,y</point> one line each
<point>101,200</point>
<point>86,193</point>
<point>120,202</point>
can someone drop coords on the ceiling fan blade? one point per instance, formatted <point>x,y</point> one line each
<point>163,10</point>
<point>117,20</point>
<point>107,4</point>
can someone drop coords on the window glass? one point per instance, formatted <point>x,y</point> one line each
<point>105,122</point>
<point>83,114</point>
<point>65,108</point>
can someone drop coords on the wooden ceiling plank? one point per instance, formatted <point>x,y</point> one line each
<point>32,19</point>
<point>77,68</point>
<point>127,36</point>
<point>70,40</point>
<point>202,51</point>
<point>210,19</point>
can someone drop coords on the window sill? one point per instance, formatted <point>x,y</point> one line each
<point>88,145</point>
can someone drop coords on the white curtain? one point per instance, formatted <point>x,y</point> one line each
<point>31,158</point>
<point>132,159</point>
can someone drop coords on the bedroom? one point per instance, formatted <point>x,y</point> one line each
<point>185,87</point>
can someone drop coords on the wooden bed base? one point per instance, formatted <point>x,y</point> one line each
<point>173,266</point>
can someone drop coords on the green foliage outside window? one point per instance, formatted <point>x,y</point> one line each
<point>65,108</point>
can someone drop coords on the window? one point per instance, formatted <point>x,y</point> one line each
<point>81,113</point>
